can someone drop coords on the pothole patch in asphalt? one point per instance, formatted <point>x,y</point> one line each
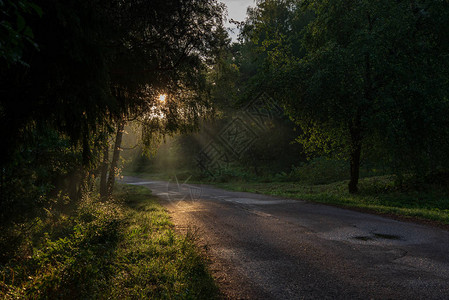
<point>387,236</point>
<point>363,238</point>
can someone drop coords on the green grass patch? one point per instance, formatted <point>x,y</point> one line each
<point>377,194</point>
<point>123,249</point>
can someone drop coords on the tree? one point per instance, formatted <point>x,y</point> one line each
<point>162,54</point>
<point>93,64</point>
<point>374,75</point>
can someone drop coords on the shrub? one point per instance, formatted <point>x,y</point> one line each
<point>320,171</point>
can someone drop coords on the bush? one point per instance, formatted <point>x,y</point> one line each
<point>107,250</point>
<point>320,171</point>
<point>230,174</point>
<point>71,256</point>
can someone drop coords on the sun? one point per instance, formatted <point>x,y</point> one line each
<point>162,97</point>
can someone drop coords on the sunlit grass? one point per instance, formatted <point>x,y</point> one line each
<point>126,249</point>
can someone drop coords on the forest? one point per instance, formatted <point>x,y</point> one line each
<point>340,102</point>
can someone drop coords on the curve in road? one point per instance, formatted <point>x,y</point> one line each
<point>264,247</point>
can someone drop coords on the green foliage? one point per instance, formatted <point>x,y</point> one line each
<point>126,249</point>
<point>65,85</point>
<point>230,174</point>
<point>162,53</point>
<point>154,261</point>
<point>46,169</point>
<point>71,255</point>
<point>15,33</point>
<point>273,150</point>
<point>357,77</point>
<point>320,171</point>
<point>85,66</point>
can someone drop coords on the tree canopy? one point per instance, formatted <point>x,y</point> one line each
<point>79,68</point>
<point>360,78</point>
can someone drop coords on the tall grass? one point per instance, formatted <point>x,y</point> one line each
<point>125,248</point>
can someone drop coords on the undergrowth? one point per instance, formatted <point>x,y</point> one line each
<point>119,249</point>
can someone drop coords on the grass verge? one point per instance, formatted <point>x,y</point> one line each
<point>377,194</point>
<point>126,249</point>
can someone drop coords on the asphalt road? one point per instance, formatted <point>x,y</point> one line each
<point>264,247</point>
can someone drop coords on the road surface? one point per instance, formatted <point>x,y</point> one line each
<point>264,247</point>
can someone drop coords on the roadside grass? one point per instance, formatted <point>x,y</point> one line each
<point>122,249</point>
<point>377,194</point>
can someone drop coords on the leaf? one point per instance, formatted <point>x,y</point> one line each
<point>37,9</point>
<point>28,32</point>
<point>20,23</point>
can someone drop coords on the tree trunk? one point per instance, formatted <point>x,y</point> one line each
<point>104,174</point>
<point>73,184</point>
<point>355,169</point>
<point>2,185</point>
<point>356,151</point>
<point>83,189</point>
<point>115,157</point>
<point>355,128</point>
